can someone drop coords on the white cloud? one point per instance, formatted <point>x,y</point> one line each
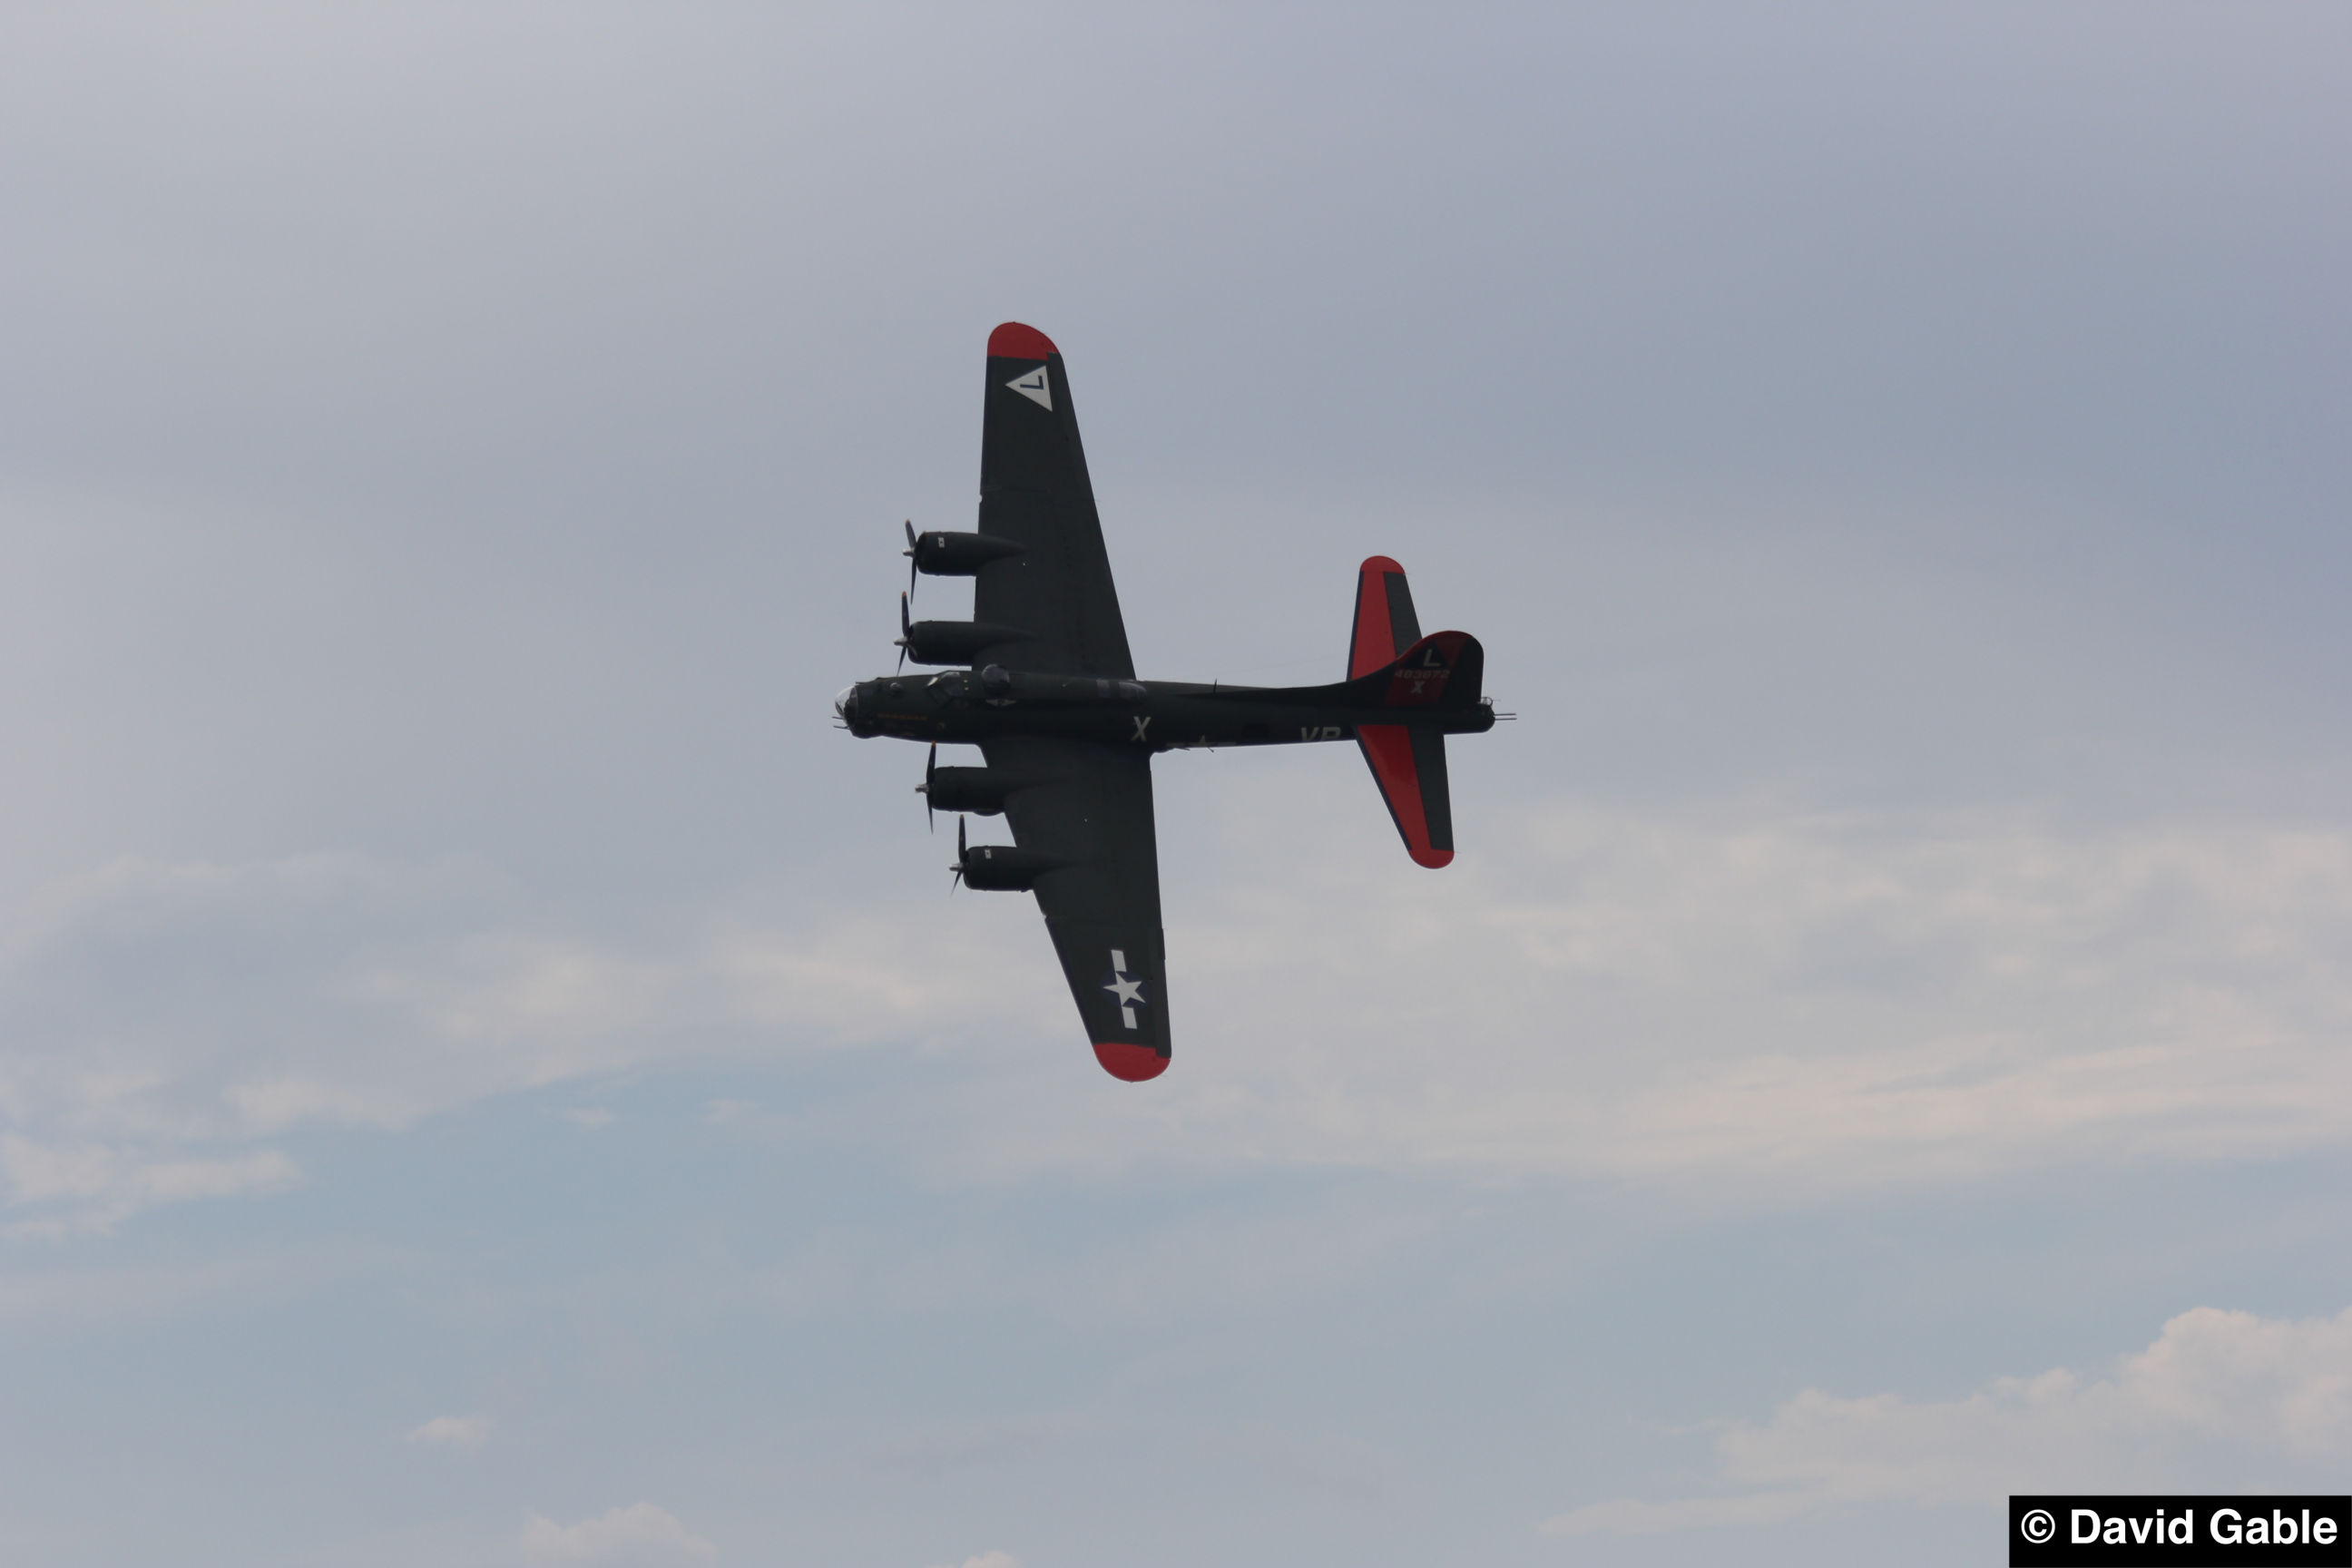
<point>640,1536</point>
<point>157,1021</point>
<point>90,1186</point>
<point>1766,1008</point>
<point>2220,1398</point>
<point>462,1431</point>
<point>1771,1008</point>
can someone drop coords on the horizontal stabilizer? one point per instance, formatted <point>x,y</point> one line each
<point>1409,764</point>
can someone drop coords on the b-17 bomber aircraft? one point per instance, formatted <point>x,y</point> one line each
<point>1050,696</point>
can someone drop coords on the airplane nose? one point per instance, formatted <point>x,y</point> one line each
<point>844,705</point>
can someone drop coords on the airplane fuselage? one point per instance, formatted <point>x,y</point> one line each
<point>969,707</point>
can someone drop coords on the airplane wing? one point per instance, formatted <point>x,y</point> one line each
<point>1034,490</point>
<point>1091,809</point>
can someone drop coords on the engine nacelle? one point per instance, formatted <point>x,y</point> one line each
<point>959,554</point>
<point>977,790</point>
<point>1004,867</point>
<point>954,642</point>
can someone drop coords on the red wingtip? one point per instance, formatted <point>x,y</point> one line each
<point>1124,1059</point>
<point>1379,563</point>
<point>1013,340</point>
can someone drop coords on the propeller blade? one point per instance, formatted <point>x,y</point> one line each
<point>906,633</point>
<point>930,812</point>
<point>959,855</point>
<point>910,557</point>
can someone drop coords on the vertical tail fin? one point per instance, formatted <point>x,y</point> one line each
<point>1408,764</point>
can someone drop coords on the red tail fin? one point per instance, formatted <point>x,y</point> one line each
<point>1408,764</point>
<point>1443,669</point>
<point>1385,624</point>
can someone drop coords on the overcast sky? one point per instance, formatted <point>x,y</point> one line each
<point>489,1075</point>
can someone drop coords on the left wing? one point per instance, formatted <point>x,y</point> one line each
<point>1053,593</point>
<point>1091,810</point>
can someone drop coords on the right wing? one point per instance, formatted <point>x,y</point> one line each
<point>1091,809</point>
<point>1034,490</point>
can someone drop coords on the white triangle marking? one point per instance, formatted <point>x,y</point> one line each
<point>1035,388</point>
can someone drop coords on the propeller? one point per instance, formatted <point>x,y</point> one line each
<point>957,867</point>
<point>906,634</point>
<point>909,553</point>
<point>930,812</point>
